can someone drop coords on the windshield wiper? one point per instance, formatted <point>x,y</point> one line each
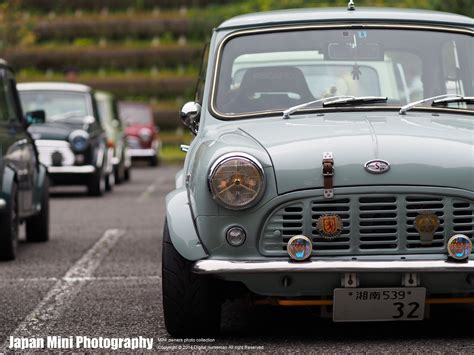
<point>448,100</point>
<point>287,113</point>
<point>68,115</point>
<point>356,100</point>
<point>410,105</point>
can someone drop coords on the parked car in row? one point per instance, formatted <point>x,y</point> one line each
<point>24,196</point>
<point>317,177</point>
<point>109,118</point>
<point>141,131</point>
<point>71,142</point>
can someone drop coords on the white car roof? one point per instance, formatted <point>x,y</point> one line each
<point>54,86</point>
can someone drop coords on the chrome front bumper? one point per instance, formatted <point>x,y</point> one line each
<point>84,169</point>
<point>223,267</point>
<point>142,153</point>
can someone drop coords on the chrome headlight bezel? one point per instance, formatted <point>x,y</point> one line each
<point>83,136</point>
<point>248,159</point>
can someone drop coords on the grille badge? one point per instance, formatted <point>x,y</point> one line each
<point>329,226</point>
<point>377,166</point>
<point>299,248</point>
<point>426,225</point>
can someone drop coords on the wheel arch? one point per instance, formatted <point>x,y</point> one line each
<point>8,179</point>
<point>181,226</point>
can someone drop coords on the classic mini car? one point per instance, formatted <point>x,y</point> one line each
<point>72,142</point>
<point>116,143</point>
<point>24,195</point>
<point>333,165</point>
<point>142,134</point>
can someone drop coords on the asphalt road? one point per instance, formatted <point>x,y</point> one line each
<point>99,276</point>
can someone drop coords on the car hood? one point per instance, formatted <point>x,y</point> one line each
<point>54,131</point>
<point>422,149</point>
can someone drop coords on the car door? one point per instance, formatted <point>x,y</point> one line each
<point>20,155</point>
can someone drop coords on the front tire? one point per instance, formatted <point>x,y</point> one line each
<point>191,305</point>
<point>154,161</point>
<point>109,182</point>
<point>9,227</point>
<point>96,185</point>
<point>37,226</point>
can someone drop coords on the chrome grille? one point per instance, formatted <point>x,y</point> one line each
<point>372,224</point>
<point>46,148</point>
<point>463,218</point>
<point>133,142</point>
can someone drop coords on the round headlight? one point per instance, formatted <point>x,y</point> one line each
<point>237,181</point>
<point>79,140</point>
<point>145,134</point>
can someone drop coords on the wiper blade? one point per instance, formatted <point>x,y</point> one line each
<point>287,113</point>
<point>356,100</point>
<point>448,100</point>
<point>410,105</point>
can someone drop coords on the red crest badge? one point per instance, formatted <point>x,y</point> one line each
<point>329,226</point>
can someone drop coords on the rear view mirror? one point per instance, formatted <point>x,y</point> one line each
<point>35,117</point>
<point>347,51</point>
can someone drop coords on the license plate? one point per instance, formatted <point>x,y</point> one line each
<point>379,304</point>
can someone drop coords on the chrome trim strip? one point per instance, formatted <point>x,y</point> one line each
<point>251,267</point>
<point>85,169</point>
<point>3,203</point>
<point>217,64</point>
<point>142,152</point>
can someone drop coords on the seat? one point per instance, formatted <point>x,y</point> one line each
<point>270,88</point>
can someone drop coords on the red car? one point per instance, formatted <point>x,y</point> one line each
<point>141,132</point>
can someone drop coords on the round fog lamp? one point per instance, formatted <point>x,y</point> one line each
<point>236,236</point>
<point>299,247</point>
<point>459,247</point>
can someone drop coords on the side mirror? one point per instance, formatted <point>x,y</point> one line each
<point>35,117</point>
<point>190,116</point>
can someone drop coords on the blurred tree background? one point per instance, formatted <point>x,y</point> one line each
<point>144,50</point>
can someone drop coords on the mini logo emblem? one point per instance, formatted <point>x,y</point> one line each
<point>329,226</point>
<point>426,224</point>
<point>377,166</point>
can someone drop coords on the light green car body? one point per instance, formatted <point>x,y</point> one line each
<point>430,155</point>
<point>114,132</point>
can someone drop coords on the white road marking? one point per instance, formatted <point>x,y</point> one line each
<point>92,278</point>
<point>150,189</point>
<point>65,290</point>
<point>147,193</point>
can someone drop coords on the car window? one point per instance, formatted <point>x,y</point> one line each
<point>135,113</point>
<point>58,106</point>
<point>272,71</point>
<point>11,101</point>
<point>4,112</point>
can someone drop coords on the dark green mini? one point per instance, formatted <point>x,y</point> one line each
<point>24,194</point>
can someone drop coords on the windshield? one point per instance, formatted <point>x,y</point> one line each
<point>58,106</point>
<point>132,114</point>
<point>266,72</point>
